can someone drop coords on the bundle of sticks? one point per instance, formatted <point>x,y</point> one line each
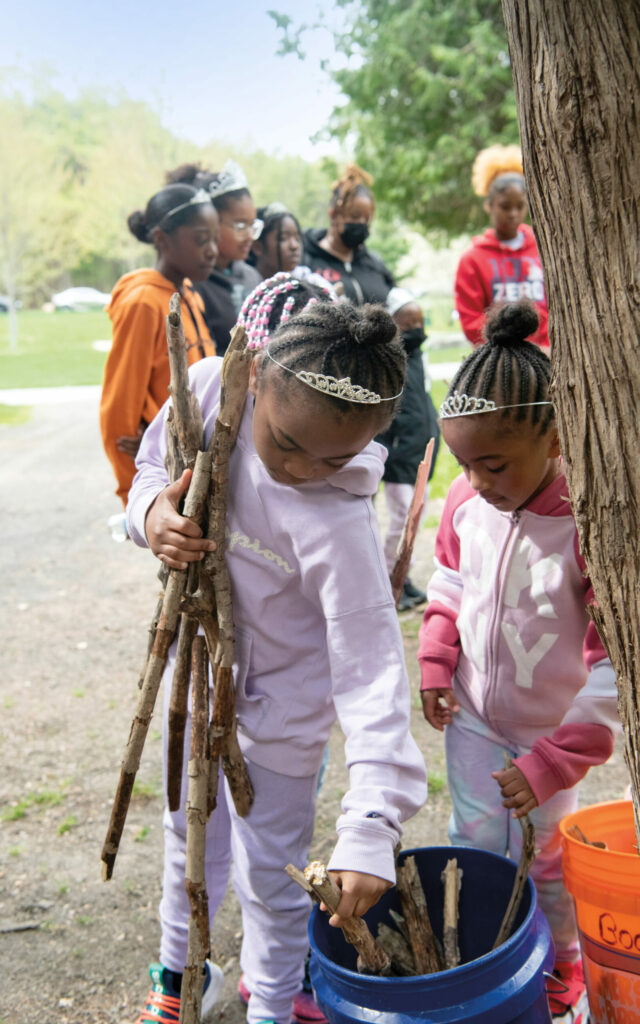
<point>198,598</point>
<point>411,947</point>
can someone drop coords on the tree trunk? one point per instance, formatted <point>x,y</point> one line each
<point>576,68</point>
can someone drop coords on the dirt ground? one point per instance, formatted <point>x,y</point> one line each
<point>75,608</point>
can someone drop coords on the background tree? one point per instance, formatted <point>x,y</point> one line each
<point>577,76</point>
<point>427,84</point>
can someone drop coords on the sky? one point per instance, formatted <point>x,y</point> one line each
<point>209,67</point>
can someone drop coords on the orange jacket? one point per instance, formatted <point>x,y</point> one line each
<point>136,374</point>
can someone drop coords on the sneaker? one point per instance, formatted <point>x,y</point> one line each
<point>305,1008</point>
<point>567,994</point>
<point>163,1001</point>
<point>413,593</point>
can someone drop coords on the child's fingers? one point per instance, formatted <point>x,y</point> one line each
<point>437,713</point>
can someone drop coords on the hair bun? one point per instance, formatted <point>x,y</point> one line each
<point>511,324</point>
<point>373,326</point>
<point>137,226</point>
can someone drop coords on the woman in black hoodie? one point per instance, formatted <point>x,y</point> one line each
<point>338,253</point>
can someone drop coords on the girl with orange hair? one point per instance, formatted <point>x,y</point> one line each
<point>503,264</point>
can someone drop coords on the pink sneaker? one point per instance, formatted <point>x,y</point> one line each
<point>567,994</point>
<point>305,1008</point>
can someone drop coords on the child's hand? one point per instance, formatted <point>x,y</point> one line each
<point>516,791</point>
<point>360,892</point>
<point>130,445</point>
<point>436,713</point>
<point>176,541</point>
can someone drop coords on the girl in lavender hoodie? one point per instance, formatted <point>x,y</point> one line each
<point>317,637</point>
<point>510,659</point>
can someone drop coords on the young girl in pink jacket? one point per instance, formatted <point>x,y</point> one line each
<point>510,660</point>
<point>316,633</point>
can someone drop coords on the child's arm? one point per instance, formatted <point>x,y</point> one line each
<point>439,640</point>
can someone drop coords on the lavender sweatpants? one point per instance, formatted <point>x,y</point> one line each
<point>478,819</point>
<point>275,911</point>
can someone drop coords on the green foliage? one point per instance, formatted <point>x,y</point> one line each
<point>428,84</point>
<point>67,824</point>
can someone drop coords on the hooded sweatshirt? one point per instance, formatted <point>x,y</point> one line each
<point>136,373</point>
<point>316,634</point>
<point>492,271</point>
<point>507,626</point>
<point>365,279</point>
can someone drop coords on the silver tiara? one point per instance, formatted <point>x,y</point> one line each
<point>328,385</point>
<point>230,179</point>
<point>468,405</point>
<point>201,196</point>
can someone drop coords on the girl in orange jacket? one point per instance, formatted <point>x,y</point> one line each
<point>182,225</point>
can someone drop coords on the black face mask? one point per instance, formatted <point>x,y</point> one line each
<point>413,338</point>
<point>354,234</point>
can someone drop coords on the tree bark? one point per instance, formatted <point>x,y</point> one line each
<point>576,68</point>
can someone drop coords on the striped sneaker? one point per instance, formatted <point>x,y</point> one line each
<point>163,1001</point>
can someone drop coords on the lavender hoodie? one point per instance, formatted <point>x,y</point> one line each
<point>317,634</point>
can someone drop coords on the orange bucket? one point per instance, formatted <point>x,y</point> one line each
<point>605,885</point>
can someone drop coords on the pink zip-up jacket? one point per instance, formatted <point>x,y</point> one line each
<point>317,633</point>
<point>507,626</point>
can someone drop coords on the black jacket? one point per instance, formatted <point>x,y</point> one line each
<point>223,293</point>
<point>365,279</point>
<point>412,427</point>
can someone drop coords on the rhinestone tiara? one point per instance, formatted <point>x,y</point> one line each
<point>468,405</point>
<point>201,196</point>
<point>328,385</point>
<point>230,179</point>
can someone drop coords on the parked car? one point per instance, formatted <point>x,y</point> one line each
<point>79,299</point>
<point>5,302</point>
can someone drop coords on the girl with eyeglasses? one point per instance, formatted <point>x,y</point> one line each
<point>231,280</point>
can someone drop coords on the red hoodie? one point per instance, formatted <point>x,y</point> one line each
<point>491,271</point>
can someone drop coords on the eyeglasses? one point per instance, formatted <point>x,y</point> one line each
<point>241,227</point>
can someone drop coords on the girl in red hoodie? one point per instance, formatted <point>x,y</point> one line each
<point>503,264</point>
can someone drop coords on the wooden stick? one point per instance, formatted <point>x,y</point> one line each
<point>186,414</point>
<point>410,529</point>
<point>165,632</point>
<point>234,386</point>
<point>196,813</point>
<point>397,949</point>
<point>451,879</point>
<point>315,880</point>
<point>414,908</point>
<point>576,833</point>
<point>178,709</point>
<point>527,858</point>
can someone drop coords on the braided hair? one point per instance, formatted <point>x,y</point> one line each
<point>274,301</point>
<point>508,369</point>
<point>353,182</point>
<point>339,340</point>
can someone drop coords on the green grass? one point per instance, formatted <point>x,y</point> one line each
<point>449,354</point>
<point>54,349</point>
<point>44,798</point>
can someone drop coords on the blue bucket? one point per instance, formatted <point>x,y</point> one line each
<point>502,986</point>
